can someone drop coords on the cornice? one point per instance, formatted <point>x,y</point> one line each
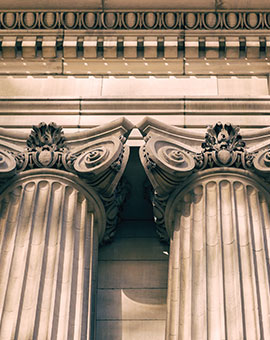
<point>97,158</point>
<point>169,34</point>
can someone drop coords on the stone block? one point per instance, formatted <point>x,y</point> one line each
<point>9,47</point>
<point>134,249</point>
<point>29,47</point>
<point>212,47</point>
<point>131,330</point>
<point>159,87</point>
<point>63,87</point>
<point>232,47</point>
<point>130,47</point>
<point>132,274</point>
<point>131,304</point>
<point>90,47</point>
<point>170,47</point>
<point>191,47</point>
<point>243,86</point>
<point>253,47</point>
<point>150,47</point>
<point>70,47</point>
<point>49,47</point>
<point>110,47</point>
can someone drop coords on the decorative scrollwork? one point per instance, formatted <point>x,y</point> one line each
<point>97,162</point>
<point>223,146</point>
<point>261,162</point>
<point>113,204</point>
<point>175,157</point>
<point>7,164</point>
<point>91,159</point>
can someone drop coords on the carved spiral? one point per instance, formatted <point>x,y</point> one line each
<point>261,161</point>
<point>91,159</point>
<point>7,163</point>
<point>174,157</point>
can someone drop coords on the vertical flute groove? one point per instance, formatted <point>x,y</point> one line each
<point>79,287</point>
<point>8,243</point>
<point>254,245</point>
<point>50,262</point>
<point>48,249</point>
<point>264,211</point>
<point>33,262</point>
<point>185,269</point>
<point>230,221</point>
<point>18,264</point>
<point>214,288</point>
<point>231,269</point>
<point>199,328</point>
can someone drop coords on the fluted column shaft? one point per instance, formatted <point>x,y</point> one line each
<point>48,253</point>
<point>219,280</point>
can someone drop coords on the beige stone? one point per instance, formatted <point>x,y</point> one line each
<point>70,47</point>
<point>243,86</point>
<point>132,274</point>
<point>49,47</point>
<point>130,47</point>
<point>191,4</point>
<point>29,47</point>
<point>158,87</point>
<point>130,330</point>
<point>8,47</point>
<point>90,47</point>
<point>216,221</point>
<point>212,47</point>
<point>150,47</point>
<point>110,47</point>
<point>55,87</point>
<point>131,304</point>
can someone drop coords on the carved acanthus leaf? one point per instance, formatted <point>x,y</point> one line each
<point>223,146</point>
<point>113,205</point>
<point>46,137</point>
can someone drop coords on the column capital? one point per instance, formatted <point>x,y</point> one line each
<point>98,157</point>
<point>172,155</point>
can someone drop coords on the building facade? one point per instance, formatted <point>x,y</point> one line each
<point>134,170</point>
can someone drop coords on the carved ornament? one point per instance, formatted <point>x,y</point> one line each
<point>98,161</point>
<point>132,20</point>
<point>223,146</point>
<point>169,162</point>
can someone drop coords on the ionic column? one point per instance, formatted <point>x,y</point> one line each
<point>56,207</point>
<point>214,207</point>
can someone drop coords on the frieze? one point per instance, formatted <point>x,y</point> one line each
<point>135,20</point>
